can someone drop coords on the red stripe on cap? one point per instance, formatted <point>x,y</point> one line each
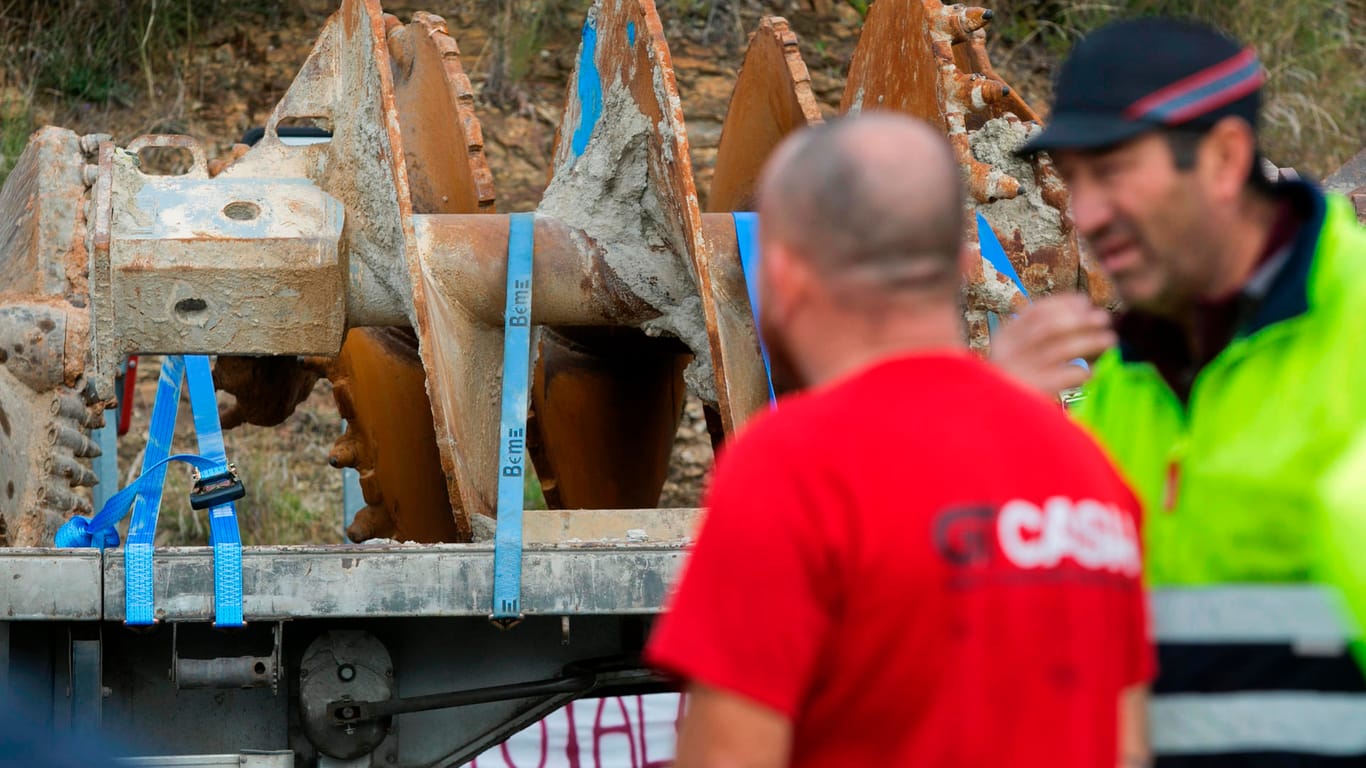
<point>1217,99</point>
<point>1190,83</point>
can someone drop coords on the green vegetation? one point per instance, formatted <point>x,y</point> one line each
<point>1315,111</point>
<point>521,29</point>
<point>79,54</point>
<point>63,58</point>
<point>14,133</point>
<point>272,512</point>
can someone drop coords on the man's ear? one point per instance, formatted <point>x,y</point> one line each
<point>1226,156</point>
<point>783,275</point>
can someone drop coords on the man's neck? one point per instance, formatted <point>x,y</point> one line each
<point>1243,244</point>
<point>851,343</point>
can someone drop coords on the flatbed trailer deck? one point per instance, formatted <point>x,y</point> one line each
<point>325,624</point>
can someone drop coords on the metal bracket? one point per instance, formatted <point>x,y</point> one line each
<point>228,671</point>
<point>85,680</point>
<point>577,679</point>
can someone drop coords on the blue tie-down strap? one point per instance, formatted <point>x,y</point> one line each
<point>507,540</point>
<point>99,531</point>
<point>216,490</point>
<point>142,528</point>
<point>996,257</point>
<point>747,238</point>
<point>216,487</point>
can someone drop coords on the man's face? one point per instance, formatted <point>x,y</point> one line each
<point>1144,219</point>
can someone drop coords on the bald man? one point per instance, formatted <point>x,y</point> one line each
<point>914,561</point>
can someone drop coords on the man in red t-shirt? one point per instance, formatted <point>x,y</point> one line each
<point>916,562</point>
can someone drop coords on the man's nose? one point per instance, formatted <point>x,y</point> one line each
<point>1091,212</point>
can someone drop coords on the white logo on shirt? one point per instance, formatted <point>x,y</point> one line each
<point>1096,536</point>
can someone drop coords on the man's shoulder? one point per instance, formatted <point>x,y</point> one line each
<point>926,394</point>
<point>1342,246</point>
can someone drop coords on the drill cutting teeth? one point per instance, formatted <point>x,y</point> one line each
<point>72,439</point>
<point>959,22</point>
<point>72,471</point>
<point>639,296</point>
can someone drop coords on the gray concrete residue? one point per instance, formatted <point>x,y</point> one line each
<point>609,193</point>
<point>1039,224</point>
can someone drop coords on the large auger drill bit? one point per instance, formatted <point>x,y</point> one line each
<point>47,404</point>
<point>378,379</point>
<point>929,60</point>
<point>287,248</point>
<point>380,245</point>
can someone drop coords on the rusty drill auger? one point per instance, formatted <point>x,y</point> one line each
<point>375,258</point>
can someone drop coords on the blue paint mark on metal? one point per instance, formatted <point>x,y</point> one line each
<point>996,257</point>
<point>630,33</point>
<point>589,88</point>
<point>747,238</point>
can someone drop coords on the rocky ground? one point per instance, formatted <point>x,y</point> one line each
<point>236,74</point>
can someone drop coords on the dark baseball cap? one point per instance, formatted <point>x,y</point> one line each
<point>1131,77</point>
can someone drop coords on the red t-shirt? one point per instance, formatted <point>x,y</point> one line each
<point>923,564</point>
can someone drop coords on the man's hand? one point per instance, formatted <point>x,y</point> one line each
<point>724,730</point>
<point>1037,347</point>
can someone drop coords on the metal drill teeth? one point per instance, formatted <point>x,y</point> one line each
<point>73,408</point>
<point>79,445</point>
<point>373,522</point>
<point>639,297</point>
<point>62,501</point>
<point>75,473</point>
<point>960,21</point>
<point>978,92</point>
<point>343,453</point>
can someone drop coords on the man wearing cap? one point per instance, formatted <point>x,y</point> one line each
<point>1237,383</point>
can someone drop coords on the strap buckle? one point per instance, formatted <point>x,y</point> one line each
<point>214,490</point>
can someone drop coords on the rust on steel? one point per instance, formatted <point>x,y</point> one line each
<point>606,404</point>
<point>372,258</point>
<point>600,438</point>
<point>378,379</point>
<point>413,80</point>
<point>573,282</point>
<point>360,166</point>
<point>443,143</point>
<point>893,66</point>
<point>47,404</point>
<point>597,436</point>
<point>929,60</point>
<point>772,97</point>
<point>388,439</point>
